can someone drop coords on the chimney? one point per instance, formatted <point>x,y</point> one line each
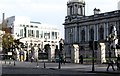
<point>96,11</point>
<point>2,23</point>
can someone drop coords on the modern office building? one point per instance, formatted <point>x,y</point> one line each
<point>80,29</point>
<point>28,31</point>
<point>22,27</point>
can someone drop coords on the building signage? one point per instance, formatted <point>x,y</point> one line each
<point>9,53</point>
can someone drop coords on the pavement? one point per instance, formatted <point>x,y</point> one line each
<point>51,69</point>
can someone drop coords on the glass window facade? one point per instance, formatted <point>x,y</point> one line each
<point>41,34</point>
<point>21,32</point>
<point>54,35</point>
<point>37,33</point>
<point>33,33</point>
<point>47,34</point>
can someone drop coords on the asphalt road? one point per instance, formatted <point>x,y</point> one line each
<point>68,69</point>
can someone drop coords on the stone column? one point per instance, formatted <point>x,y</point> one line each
<point>75,33</point>
<point>75,53</point>
<point>88,33</point>
<point>25,55</point>
<point>36,52</point>
<point>85,32</point>
<point>94,32</point>
<point>101,53</point>
<point>105,28</point>
<point>79,34</point>
<point>53,52</point>
<point>97,32</point>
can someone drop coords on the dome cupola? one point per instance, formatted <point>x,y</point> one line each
<point>76,7</point>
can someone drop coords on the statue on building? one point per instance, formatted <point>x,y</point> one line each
<point>114,40</point>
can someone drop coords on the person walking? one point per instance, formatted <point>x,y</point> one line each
<point>110,63</point>
<point>81,59</point>
<point>118,62</point>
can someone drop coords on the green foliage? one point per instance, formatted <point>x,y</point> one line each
<point>7,40</point>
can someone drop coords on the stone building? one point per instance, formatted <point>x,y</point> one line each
<point>80,29</point>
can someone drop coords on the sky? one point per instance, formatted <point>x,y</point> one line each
<point>51,12</point>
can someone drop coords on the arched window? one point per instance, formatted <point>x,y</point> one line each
<point>91,34</point>
<point>71,9</point>
<point>101,33</point>
<point>76,9</point>
<point>83,35</point>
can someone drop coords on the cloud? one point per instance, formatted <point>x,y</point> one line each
<point>42,7</point>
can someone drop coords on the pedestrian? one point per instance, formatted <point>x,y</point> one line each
<point>110,63</point>
<point>32,58</point>
<point>81,59</point>
<point>64,60</point>
<point>118,62</point>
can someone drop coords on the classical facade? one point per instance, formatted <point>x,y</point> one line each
<point>80,29</point>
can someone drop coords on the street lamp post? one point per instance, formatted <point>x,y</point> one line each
<point>60,52</point>
<point>93,67</point>
<point>91,45</point>
<point>44,60</point>
<point>59,67</point>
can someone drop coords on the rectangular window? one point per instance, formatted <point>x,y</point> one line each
<point>37,33</point>
<point>47,35</point>
<point>21,32</point>
<point>41,34</point>
<point>33,33</point>
<point>52,35</point>
<point>29,33</point>
<point>55,35</point>
<point>25,32</point>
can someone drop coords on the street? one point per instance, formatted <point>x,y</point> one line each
<point>28,68</point>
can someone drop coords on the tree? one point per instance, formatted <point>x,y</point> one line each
<point>7,40</point>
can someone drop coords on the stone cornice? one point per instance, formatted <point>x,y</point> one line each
<point>109,16</point>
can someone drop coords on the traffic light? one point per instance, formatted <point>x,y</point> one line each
<point>91,45</point>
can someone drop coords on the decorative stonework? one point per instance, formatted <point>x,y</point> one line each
<point>75,53</point>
